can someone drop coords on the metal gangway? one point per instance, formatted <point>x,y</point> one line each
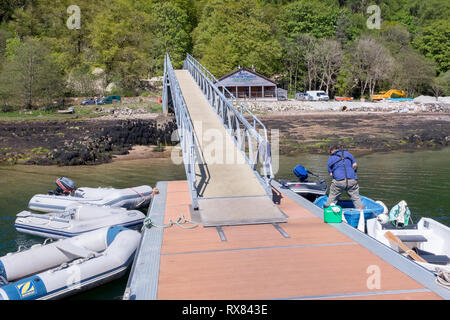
<point>225,149</point>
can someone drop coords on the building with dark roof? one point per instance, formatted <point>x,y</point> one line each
<point>247,84</point>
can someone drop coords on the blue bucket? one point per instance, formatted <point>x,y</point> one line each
<point>371,209</point>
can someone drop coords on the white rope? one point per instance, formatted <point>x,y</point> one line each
<point>443,278</point>
<point>180,222</point>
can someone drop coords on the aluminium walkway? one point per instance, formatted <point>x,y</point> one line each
<point>229,191</point>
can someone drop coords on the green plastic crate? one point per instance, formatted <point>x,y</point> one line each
<point>329,216</point>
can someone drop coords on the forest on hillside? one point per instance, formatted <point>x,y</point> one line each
<point>49,49</point>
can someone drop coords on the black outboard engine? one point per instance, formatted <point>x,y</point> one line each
<point>301,173</point>
<point>64,186</point>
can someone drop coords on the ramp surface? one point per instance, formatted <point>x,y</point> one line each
<point>224,172</point>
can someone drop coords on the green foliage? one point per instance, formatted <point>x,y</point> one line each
<point>232,33</point>
<point>129,38</point>
<point>434,43</point>
<point>30,73</point>
<point>317,18</point>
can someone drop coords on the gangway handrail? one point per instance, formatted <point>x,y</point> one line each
<point>236,101</point>
<point>185,129</point>
<point>225,109</point>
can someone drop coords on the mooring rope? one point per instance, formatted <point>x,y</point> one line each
<point>180,222</point>
<point>443,278</point>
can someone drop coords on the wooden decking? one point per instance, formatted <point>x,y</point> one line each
<point>305,259</point>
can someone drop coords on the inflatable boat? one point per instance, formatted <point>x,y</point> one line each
<point>427,242</point>
<point>67,266</point>
<point>371,209</point>
<point>75,220</point>
<point>305,186</point>
<point>130,198</point>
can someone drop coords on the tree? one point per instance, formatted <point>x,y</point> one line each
<point>329,57</point>
<point>371,63</point>
<point>82,82</point>
<point>434,43</point>
<point>7,8</point>
<point>233,33</point>
<point>441,85</point>
<point>170,29</point>
<point>318,19</point>
<point>413,72</point>
<point>345,81</point>
<point>30,74</point>
<point>295,51</point>
<point>395,36</point>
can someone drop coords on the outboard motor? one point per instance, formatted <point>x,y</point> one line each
<point>301,173</point>
<point>64,186</point>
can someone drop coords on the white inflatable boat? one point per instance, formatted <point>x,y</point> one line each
<point>130,198</point>
<point>429,239</point>
<point>77,219</point>
<point>67,266</point>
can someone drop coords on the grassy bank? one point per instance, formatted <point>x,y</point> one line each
<point>80,112</point>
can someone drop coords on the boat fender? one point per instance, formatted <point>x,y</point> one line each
<point>385,208</point>
<point>384,217</point>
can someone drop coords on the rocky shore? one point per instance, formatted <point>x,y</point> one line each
<point>148,135</point>
<point>421,104</point>
<point>79,142</point>
<point>359,131</point>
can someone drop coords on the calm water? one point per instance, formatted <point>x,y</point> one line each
<point>422,179</point>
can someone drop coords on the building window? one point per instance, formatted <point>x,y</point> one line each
<point>256,92</point>
<point>269,92</point>
<point>243,92</point>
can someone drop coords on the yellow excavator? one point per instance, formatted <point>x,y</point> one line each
<point>387,94</point>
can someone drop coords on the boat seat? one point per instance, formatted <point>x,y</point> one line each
<point>67,247</point>
<point>436,259</point>
<point>432,258</point>
<point>412,238</point>
<point>390,226</point>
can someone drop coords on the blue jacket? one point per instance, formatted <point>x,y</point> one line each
<point>336,165</point>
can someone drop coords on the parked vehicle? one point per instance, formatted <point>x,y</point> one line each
<point>110,99</point>
<point>303,96</point>
<point>87,102</point>
<point>282,94</point>
<point>393,93</point>
<point>318,95</point>
<point>343,98</point>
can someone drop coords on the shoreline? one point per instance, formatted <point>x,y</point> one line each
<point>82,142</point>
<point>96,141</point>
<point>360,132</point>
